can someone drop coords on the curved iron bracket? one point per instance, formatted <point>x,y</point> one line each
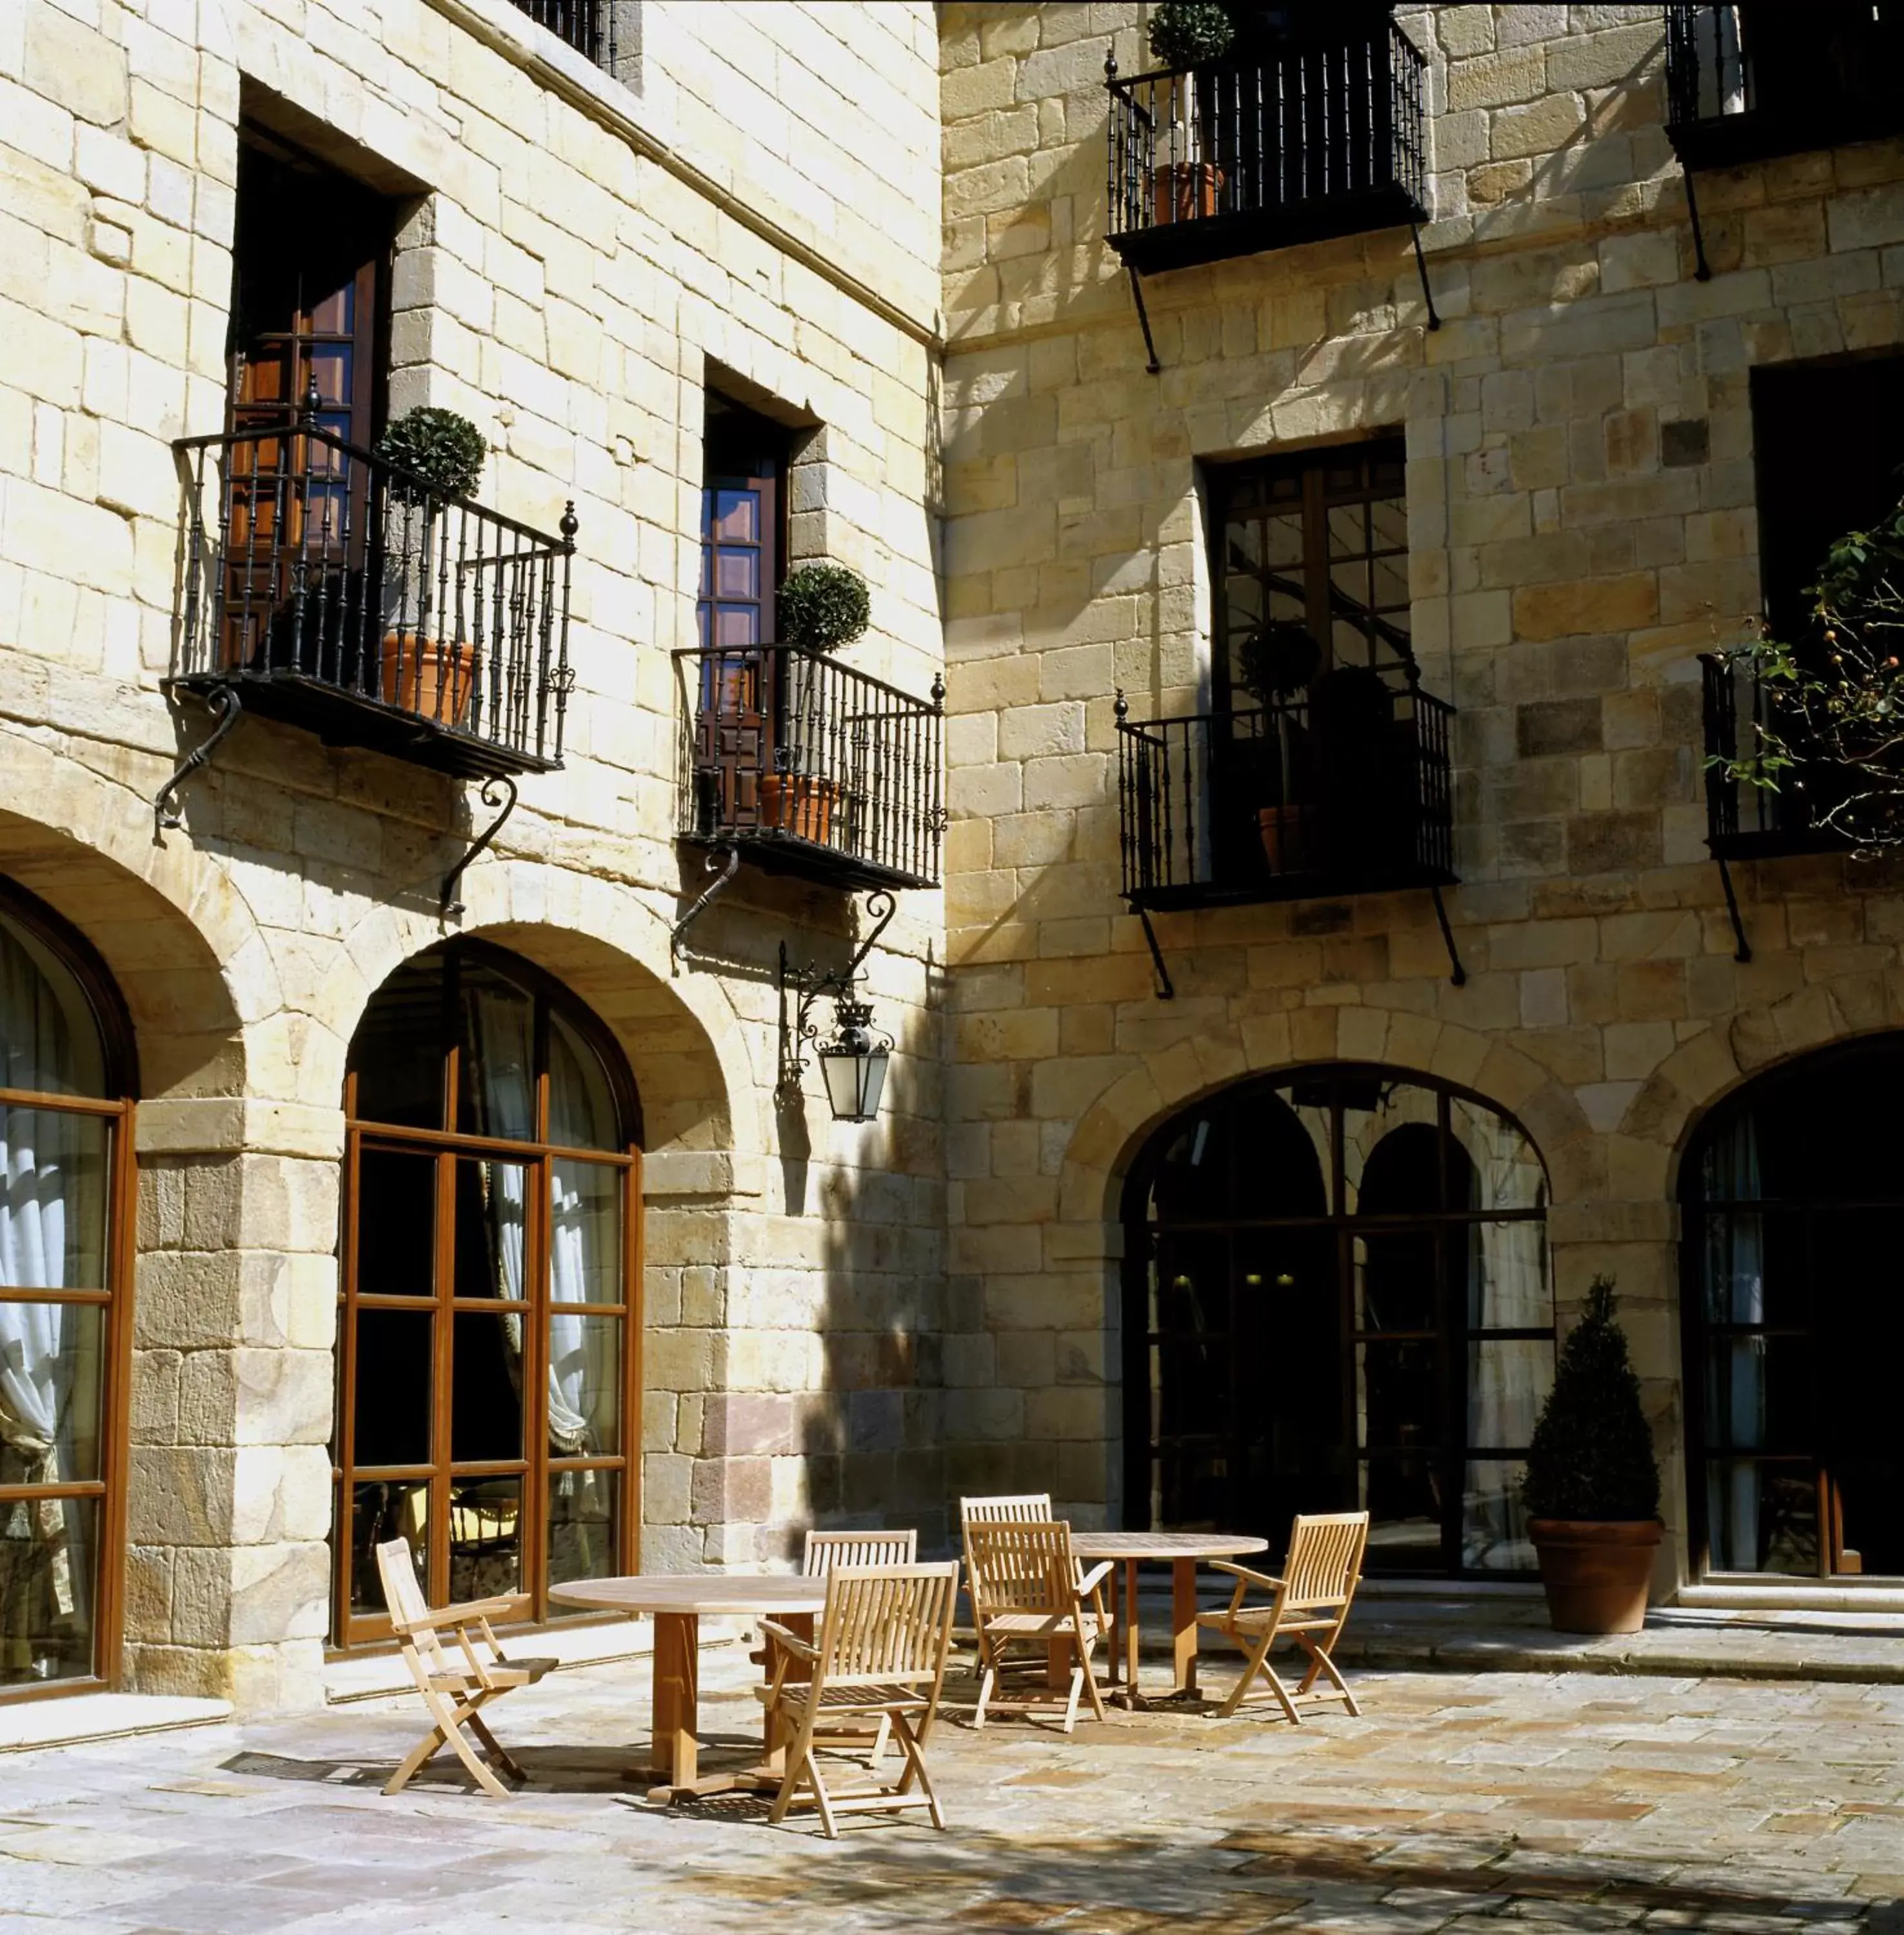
<point>1457,973</point>
<point>1742,952</point>
<point>1421,269</point>
<point>450,903</point>
<point>1166,988</point>
<point>808,984</point>
<point>224,702</point>
<point>1702,270</point>
<point>677,952</point>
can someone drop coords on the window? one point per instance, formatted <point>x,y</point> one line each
<point>490,1289</point>
<point>65,1169</point>
<point>1337,1297</point>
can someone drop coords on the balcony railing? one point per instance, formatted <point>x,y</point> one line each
<point>1310,140</point>
<point>587,26</point>
<point>334,591</point>
<point>1745,821</point>
<point>1347,791</point>
<point>1750,80</point>
<point>810,768</point>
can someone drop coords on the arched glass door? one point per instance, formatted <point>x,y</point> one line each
<point>1793,1305</point>
<point>490,1334</point>
<point>1337,1297</point>
<point>66,1079</point>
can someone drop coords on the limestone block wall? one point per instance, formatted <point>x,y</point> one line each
<point>580,257</point>
<point>1582,523</point>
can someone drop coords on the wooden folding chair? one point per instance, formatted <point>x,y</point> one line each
<point>1027,1590</point>
<point>1008,1508</point>
<point>883,1642</point>
<point>458,1668</point>
<point>1309,1605</point>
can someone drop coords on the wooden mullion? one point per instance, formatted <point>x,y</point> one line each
<point>71,1488</point>
<point>537,1198</point>
<point>12,1293</point>
<point>71,1105</point>
<point>393,1135</point>
<point>634,1299</point>
<point>442,1374</point>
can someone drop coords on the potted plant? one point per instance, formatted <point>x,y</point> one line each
<point>1592,1487</point>
<point>821,607</point>
<point>440,454</point>
<point>1184,36</point>
<point>1274,663</point>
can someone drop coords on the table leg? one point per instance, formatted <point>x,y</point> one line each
<point>1183,1620</point>
<point>1130,1633</point>
<point>1114,1639</point>
<point>676,1697</point>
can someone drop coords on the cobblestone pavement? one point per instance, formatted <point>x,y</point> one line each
<point>1521,1803</point>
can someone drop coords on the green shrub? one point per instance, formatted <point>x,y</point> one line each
<point>1187,33</point>
<point>1278,659</point>
<point>824,606</point>
<point>1592,1453</point>
<point>440,448</point>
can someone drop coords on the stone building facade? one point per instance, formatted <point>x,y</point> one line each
<point>826,1323</point>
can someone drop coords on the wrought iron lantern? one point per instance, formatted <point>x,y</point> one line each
<point>853,1058</point>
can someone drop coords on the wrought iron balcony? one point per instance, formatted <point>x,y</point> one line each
<point>807,767</point>
<point>1348,790</point>
<point>1747,822</point>
<point>1304,142</point>
<point>326,588</point>
<point>587,26</point>
<point>1750,80</point>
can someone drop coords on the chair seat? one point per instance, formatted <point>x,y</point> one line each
<point>1043,1626</point>
<point>1254,1619</point>
<point>530,1670</point>
<point>854,1699</point>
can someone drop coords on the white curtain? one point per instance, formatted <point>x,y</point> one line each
<point>49,1199</point>
<point>1734,1290</point>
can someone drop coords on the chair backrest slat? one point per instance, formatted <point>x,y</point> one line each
<point>887,1623</point>
<point>1008,1508</point>
<point>1020,1565</point>
<point>403,1596</point>
<point>1324,1565</point>
<point>827,1551</point>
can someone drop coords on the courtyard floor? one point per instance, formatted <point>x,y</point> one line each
<point>1526,1803</point>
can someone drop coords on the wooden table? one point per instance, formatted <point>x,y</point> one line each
<point>676,1602</point>
<point>1182,1551</point>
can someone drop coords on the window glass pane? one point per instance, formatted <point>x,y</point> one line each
<point>49,1039</point>
<point>393,1381</point>
<point>1395,1281</point>
<point>381,1510</point>
<point>1190,1485</point>
<point>1762,1517</point>
<point>396,1223</point>
<point>485,1538</point>
<point>48,1553</point>
<point>1192,1385</point>
<point>397,1050</point>
<point>1508,1380</point>
<point>1402,1497</point>
<point>1388,519</point>
<point>1347,531</point>
<point>53,1168</point>
<point>1758,1393</point>
<point>492,1206</point>
<point>486,1406</point>
<point>1284,543</point>
<point>1493,1523</point>
<point>1192,1177</point>
<point>585,1245</point>
<point>1502,1167</point>
<point>584,1386</point>
<point>1400,1409</point>
<point>496,1093</point>
<point>584,1526</point>
<point>1504,1267</point>
<point>1190,1285</point>
<point>582,1111</point>
<point>737,516</point>
<point>52,1388</point>
<point>1384,1172</point>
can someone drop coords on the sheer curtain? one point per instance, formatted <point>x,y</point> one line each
<point>1734,1290</point>
<point>44,1185</point>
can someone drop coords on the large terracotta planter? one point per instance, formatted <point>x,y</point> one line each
<point>792,803</point>
<point>428,677</point>
<point>1292,838</point>
<point>1596,1571</point>
<point>1183,191</point>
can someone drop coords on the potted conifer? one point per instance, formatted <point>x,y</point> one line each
<point>1592,1487</point>
<point>821,607</point>
<point>1184,36</point>
<point>438,456</point>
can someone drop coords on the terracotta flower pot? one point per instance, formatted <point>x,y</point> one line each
<point>1291,838</point>
<point>1183,191</point>
<point>792,803</point>
<point>1596,1571</point>
<point>427,677</point>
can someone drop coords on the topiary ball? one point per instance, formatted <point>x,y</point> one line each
<point>1187,33</point>
<point>824,606</point>
<point>438,448</point>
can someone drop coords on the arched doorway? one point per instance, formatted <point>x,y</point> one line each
<point>1336,1296</point>
<point>1793,1310</point>
<point>490,1336</point>
<point>67,1079</point>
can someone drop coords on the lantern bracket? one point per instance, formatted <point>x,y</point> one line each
<point>806,984</point>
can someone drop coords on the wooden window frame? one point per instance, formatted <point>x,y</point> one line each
<point>117,1108</point>
<point>446,1148</point>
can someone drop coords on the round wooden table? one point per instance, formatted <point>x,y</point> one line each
<point>1183,1552</point>
<point>676,1602</point>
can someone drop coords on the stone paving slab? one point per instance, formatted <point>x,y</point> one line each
<point>1491,1803</point>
